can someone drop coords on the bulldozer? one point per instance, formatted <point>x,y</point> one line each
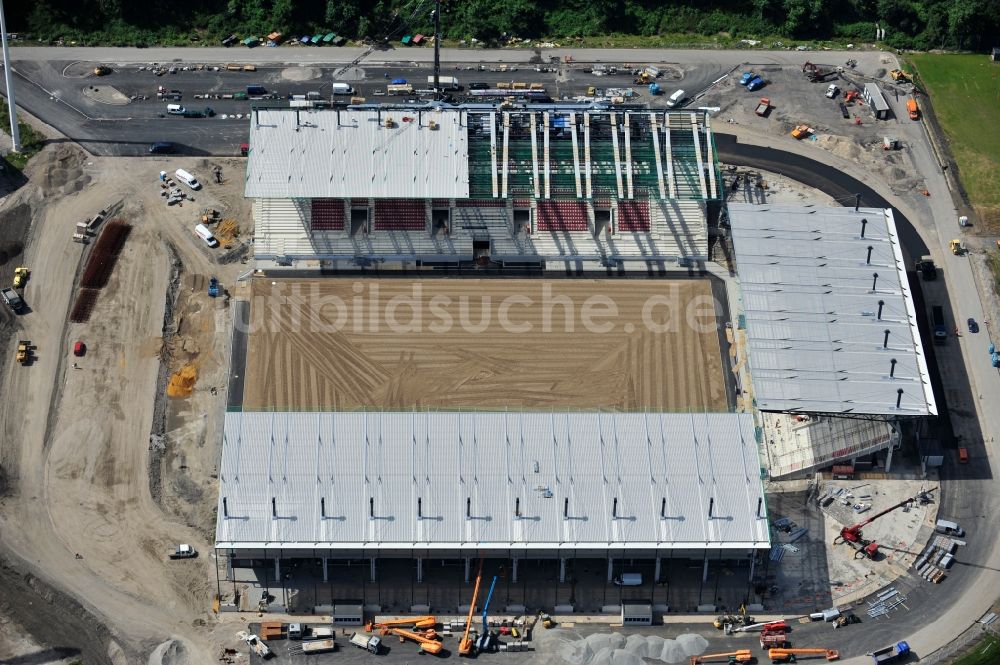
<point>25,351</point>
<point>801,131</point>
<point>899,76</point>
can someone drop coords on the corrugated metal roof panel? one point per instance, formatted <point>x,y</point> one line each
<point>813,282</point>
<point>304,153</point>
<point>342,480</point>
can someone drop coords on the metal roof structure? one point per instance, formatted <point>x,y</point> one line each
<point>830,320</point>
<point>306,153</point>
<point>503,480</point>
<point>482,152</point>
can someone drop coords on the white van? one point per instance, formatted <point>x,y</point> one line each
<point>342,89</point>
<point>949,528</point>
<point>675,99</point>
<point>629,579</point>
<point>175,109</point>
<point>187,179</point>
<point>202,232</point>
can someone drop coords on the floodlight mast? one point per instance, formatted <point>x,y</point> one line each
<point>437,49</point>
<point>15,134</point>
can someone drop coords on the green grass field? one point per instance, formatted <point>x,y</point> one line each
<point>986,652</point>
<point>965,92</point>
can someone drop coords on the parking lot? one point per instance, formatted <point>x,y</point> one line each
<point>120,114</point>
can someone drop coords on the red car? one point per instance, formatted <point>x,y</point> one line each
<point>79,349</point>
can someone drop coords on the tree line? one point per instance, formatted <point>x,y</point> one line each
<point>918,24</point>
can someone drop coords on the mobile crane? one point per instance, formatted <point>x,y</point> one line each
<point>868,548</point>
<point>426,643</point>
<point>788,655</point>
<point>741,656</point>
<point>465,644</point>
<point>416,622</point>
<point>485,642</point>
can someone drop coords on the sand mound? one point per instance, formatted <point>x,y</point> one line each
<point>106,94</point>
<point>59,169</point>
<point>171,652</point>
<point>300,73</point>
<point>182,382</point>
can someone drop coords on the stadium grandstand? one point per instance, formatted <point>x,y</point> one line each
<point>353,187</point>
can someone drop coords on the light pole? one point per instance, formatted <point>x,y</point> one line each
<point>437,48</point>
<point>15,134</point>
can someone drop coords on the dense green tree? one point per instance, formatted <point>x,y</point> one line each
<point>959,24</point>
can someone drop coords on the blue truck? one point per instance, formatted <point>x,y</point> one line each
<point>755,83</point>
<point>891,654</point>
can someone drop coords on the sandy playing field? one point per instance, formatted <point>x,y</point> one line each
<point>468,343</point>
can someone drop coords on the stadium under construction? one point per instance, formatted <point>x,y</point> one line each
<point>392,504</point>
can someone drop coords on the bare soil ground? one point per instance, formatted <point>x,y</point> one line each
<point>510,344</point>
<point>84,537</point>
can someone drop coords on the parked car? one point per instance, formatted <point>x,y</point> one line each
<point>832,91</point>
<point>479,85</point>
<point>973,326</point>
<point>756,83</point>
<point>746,78</point>
<point>161,148</point>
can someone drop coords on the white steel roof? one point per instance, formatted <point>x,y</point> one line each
<point>811,300</point>
<point>305,153</point>
<point>390,480</point>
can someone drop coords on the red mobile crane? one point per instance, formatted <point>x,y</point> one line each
<point>868,548</point>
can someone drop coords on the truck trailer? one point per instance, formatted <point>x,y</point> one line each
<point>891,654</point>
<point>444,82</point>
<point>937,318</point>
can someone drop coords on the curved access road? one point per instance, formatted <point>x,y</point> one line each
<point>937,613</point>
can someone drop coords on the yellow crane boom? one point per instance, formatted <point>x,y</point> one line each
<point>426,644</point>
<point>465,644</point>
<point>740,656</point>
<point>782,655</point>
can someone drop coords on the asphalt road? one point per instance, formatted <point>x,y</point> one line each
<point>818,175</point>
<point>299,55</point>
<point>968,494</point>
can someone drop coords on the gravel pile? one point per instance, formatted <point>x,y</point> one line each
<point>616,649</point>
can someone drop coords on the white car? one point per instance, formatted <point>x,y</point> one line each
<point>832,91</point>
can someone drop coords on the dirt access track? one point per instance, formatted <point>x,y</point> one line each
<point>83,541</point>
<point>479,343</point>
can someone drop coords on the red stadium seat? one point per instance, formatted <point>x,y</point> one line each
<point>328,214</point>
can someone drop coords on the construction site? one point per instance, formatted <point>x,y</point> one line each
<point>563,399</point>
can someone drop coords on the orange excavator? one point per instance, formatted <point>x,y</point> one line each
<point>465,644</point>
<point>788,655</point>
<point>425,641</point>
<point>741,656</point>
<point>416,622</point>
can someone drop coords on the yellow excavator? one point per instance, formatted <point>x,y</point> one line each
<point>465,646</point>
<point>789,655</point>
<point>740,656</point>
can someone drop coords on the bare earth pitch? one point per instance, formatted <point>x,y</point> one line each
<point>342,344</point>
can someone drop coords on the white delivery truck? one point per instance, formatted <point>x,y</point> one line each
<point>675,99</point>
<point>444,83</point>
<point>342,89</point>
<point>629,579</point>
<point>370,643</point>
<point>187,179</point>
<point>202,232</point>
